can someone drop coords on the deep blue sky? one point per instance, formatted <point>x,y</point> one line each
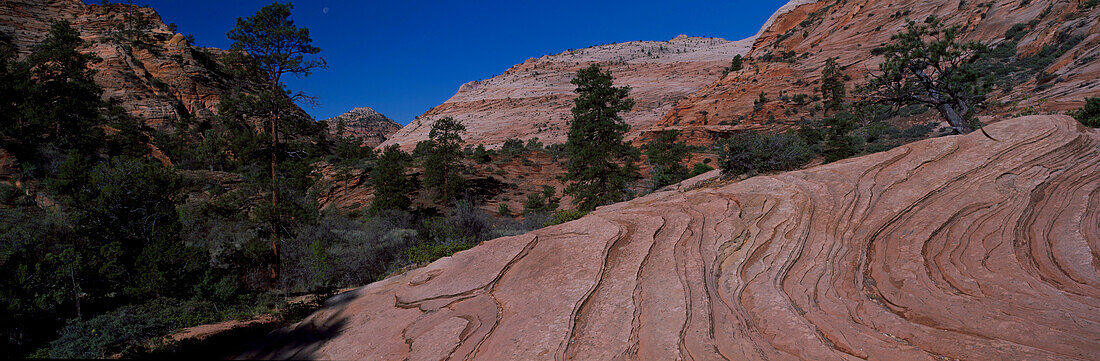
<point>402,57</point>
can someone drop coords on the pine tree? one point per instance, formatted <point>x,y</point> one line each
<point>601,164</point>
<point>267,46</point>
<point>666,156</point>
<point>832,86</point>
<point>443,161</point>
<point>64,107</point>
<point>391,186</point>
<point>927,64</point>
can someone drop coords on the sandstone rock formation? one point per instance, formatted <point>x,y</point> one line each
<point>364,123</point>
<point>533,99</point>
<point>163,81</point>
<point>957,247</point>
<point>812,31</point>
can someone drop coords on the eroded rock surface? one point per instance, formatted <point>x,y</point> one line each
<point>800,37</point>
<point>957,247</point>
<point>160,81</point>
<point>533,99</point>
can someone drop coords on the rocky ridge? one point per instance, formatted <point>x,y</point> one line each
<point>533,99</point>
<point>364,123</point>
<point>957,247</point>
<point>160,82</point>
<point>812,31</point>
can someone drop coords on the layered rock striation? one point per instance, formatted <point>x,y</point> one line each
<point>1058,43</point>
<point>957,247</point>
<point>162,80</point>
<point>533,99</point>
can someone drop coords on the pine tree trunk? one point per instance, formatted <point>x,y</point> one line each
<point>76,292</point>
<point>948,112</point>
<point>274,196</point>
<point>944,106</point>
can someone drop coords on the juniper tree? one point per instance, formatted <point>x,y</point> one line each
<point>927,64</point>
<point>601,164</point>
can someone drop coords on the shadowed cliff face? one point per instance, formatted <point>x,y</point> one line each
<point>957,247</point>
<point>817,30</point>
<point>164,80</point>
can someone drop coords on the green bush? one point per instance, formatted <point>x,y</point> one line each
<point>430,251</point>
<point>699,168</point>
<point>133,330</point>
<point>751,153</point>
<point>839,144</point>
<point>563,216</point>
<point>1089,114</point>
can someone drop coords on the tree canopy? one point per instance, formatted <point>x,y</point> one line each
<point>928,64</point>
<point>601,164</point>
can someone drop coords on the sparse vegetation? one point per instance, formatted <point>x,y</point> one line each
<point>751,153</point>
<point>1089,114</point>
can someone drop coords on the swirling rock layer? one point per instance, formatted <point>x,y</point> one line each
<point>957,247</point>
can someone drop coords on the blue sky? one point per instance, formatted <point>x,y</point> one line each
<point>402,57</point>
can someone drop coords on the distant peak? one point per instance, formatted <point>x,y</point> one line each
<point>363,110</point>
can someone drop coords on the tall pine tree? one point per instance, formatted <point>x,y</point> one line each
<point>601,164</point>
<point>268,46</point>
<point>443,163</point>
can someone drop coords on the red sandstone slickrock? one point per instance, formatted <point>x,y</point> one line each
<point>957,247</point>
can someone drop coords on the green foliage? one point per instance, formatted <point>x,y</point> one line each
<point>1089,114</point>
<point>134,27</point>
<point>443,161</point>
<point>927,64</point>
<point>270,43</point>
<point>127,215</point>
<point>391,186</point>
<point>1003,68</point>
<point>699,168</point>
<point>533,144</point>
<point>350,151</point>
<point>832,85</point>
<point>544,202</point>
<point>503,211</point>
<point>120,332</point>
<point>133,331</point>
<point>735,65</point>
<point>427,252</point>
<point>666,156</point>
<point>751,153</point>
<point>481,155</point>
<point>512,147</point>
<point>563,216</point>
<point>51,103</point>
<point>839,144</point>
<point>601,164</point>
